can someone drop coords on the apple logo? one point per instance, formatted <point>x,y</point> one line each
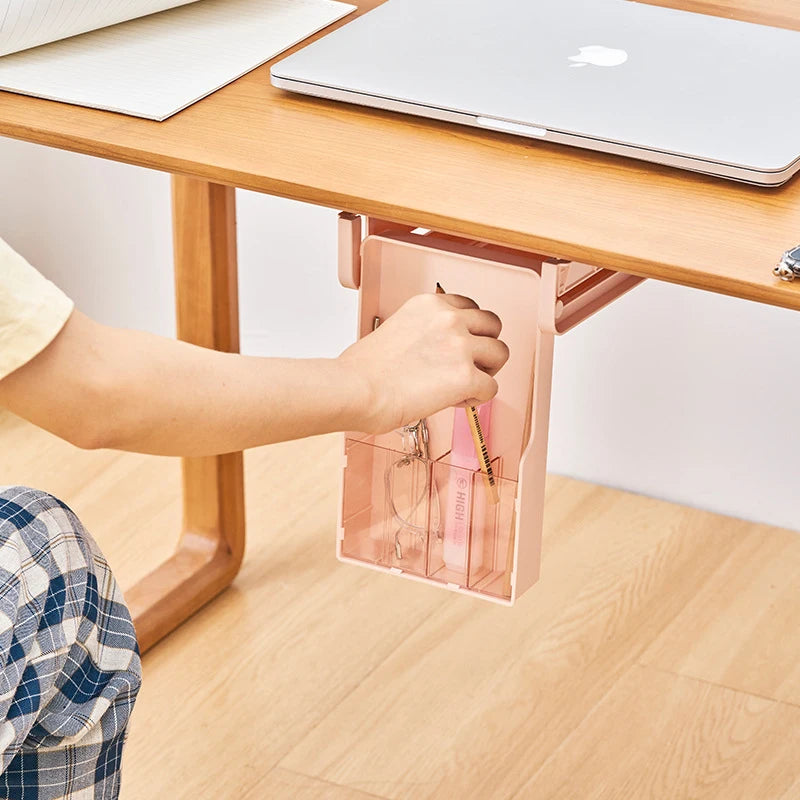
<point>599,56</point>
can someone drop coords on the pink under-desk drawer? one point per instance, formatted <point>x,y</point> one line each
<point>418,511</point>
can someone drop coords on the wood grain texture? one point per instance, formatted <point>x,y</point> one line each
<point>473,703</point>
<point>211,545</point>
<point>742,630</point>
<point>280,783</point>
<point>134,525</point>
<point>310,679</point>
<point>762,12</point>
<point>659,737</point>
<point>275,653</point>
<point>604,210</point>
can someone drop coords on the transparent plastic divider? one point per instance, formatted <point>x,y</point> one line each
<point>386,505</point>
<point>427,518</point>
<point>472,551</point>
<point>491,562</point>
<point>407,491</point>
<point>363,537</point>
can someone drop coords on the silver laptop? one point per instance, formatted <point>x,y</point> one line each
<point>704,93</point>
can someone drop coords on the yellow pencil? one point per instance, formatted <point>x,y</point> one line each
<point>478,440</point>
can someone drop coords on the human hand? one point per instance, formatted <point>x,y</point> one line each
<point>436,351</point>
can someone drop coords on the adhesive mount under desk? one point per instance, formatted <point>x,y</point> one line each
<point>571,291</point>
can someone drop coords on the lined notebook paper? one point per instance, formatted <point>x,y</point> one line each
<point>28,23</point>
<point>156,65</point>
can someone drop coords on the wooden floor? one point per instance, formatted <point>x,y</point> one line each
<point>657,657</point>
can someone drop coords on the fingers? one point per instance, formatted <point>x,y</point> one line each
<point>484,388</point>
<point>479,322</point>
<point>482,323</point>
<point>489,354</point>
<point>458,300</point>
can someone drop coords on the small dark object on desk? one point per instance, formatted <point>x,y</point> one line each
<point>789,266</point>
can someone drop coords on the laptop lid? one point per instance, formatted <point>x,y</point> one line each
<point>717,95</point>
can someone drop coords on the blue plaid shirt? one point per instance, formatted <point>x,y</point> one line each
<point>71,668</point>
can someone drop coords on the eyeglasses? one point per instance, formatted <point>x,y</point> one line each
<point>408,488</point>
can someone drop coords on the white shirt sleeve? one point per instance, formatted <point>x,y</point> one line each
<point>32,311</point>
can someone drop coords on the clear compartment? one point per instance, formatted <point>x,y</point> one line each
<point>428,518</point>
<point>475,548</point>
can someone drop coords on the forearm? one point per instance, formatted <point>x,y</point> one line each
<point>97,386</point>
<point>200,402</point>
<point>105,387</point>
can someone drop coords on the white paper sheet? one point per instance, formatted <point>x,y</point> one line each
<point>154,66</point>
<point>29,23</point>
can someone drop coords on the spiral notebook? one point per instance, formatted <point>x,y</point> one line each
<point>146,58</point>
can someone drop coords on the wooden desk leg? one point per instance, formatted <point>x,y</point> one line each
<point>211,545</point>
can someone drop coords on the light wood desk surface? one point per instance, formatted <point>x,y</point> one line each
<point>609,211</point>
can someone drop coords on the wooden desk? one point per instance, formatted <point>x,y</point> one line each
<point>652,221</point>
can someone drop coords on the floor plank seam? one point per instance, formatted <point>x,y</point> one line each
<point>708,682</point>
<point>334,784</point>
<point>344,698</point>
<point>553,753</point>
<point>637,662</point>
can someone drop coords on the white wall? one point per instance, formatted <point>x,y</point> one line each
<point>671,392</point>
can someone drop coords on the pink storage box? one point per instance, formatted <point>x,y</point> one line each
<point>391,505</point>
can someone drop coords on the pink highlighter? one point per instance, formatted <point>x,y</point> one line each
<point>460,512</point>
